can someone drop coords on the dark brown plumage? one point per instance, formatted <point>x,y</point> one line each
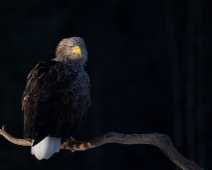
<point>57,94</point>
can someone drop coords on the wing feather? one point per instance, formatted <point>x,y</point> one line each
<point>52,122</point>
<point>55,100</point>
<point>43,119</point>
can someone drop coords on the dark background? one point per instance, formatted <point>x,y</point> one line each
<point>150,69</point>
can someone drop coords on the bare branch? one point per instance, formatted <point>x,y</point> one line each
<point>162,141</point>
<point>22,142</point>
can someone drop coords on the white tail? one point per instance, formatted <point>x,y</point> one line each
<point>46,148</point>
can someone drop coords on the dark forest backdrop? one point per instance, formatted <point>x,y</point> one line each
<point>150,69</point>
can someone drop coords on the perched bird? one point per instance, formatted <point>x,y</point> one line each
<point>56,98</point>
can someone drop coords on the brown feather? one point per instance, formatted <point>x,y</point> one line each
<point>55,100</point>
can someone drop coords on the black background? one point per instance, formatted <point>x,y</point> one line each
<point>150,70</point>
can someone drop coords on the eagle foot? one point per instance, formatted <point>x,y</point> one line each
<point>70,140</point>
<point>65,143</point>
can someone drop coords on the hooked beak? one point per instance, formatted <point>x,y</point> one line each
<point>77,50</point>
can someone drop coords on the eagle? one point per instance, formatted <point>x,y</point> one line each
<point>56,98</point>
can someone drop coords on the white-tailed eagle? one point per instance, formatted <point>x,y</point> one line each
<point>56,98</point>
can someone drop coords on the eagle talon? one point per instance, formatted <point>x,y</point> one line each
<point>56,86</point>
<point>69,140</point>
<point>65,143</point>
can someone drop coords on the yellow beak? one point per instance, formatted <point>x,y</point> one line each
<point>77,50</point>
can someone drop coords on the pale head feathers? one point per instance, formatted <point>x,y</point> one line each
<point>72,50</point>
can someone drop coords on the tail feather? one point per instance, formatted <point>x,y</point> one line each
<point>46,148</point>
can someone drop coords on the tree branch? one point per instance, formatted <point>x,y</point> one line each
<point>161,141</point>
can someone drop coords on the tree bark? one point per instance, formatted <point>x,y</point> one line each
<point>159,140</point>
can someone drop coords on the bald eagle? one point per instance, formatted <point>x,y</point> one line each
<point>56,98</point>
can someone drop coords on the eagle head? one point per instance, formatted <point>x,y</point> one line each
<point>72,50</point>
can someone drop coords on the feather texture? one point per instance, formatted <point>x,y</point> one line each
<point>46,148</point>
<point>56,98</point>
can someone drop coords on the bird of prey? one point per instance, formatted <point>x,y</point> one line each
<point>56,98</point>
